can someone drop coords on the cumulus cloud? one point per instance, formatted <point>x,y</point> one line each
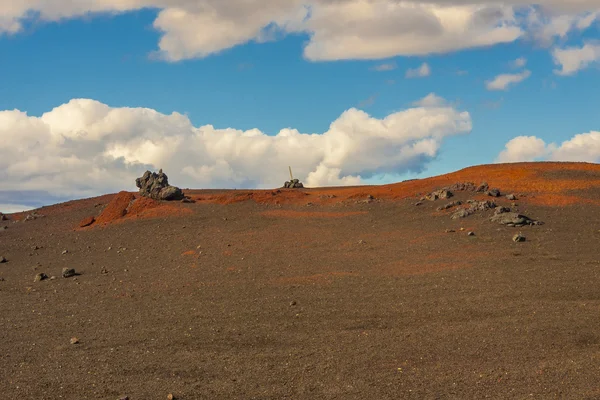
<point>573,59</point>
<point>337,29</point>
<point>431,100</point>
<point>421,72</point>
<point>503,81</point>
<point>583,147</point>
<point>84,148</point>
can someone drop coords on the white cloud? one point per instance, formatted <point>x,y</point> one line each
<point>385,67</point>
<point>423,71</point>
<point>573,59</point>
<point>14,208</point>
<point>84,148</point>
<point>503,81</point>
<point>519,63</point>
<point>583,147</point>
<point>431,100</point>
<point>340,29</point>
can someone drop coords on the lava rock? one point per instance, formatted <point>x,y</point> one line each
<point>512,218</point>
<point>40,277</point>
<point>511,197</point>
<point>293,184</point>
<point>156,186</point>
<point>450,205</point>
<point>74,340</point>
<point>493,193</point>
<point>482,188</point>
<point>3,217</point>
<point>471,234</point>
<point>501,210</point>
<point>439,194</point>
<point>518,238</point>
<point>68,272</point>
<point>3,260</point>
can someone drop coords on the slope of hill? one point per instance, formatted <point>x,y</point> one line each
<point>328,293</point>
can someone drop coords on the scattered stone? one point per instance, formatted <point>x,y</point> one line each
<point>74,340</point>
<point>482,188</point>
<point>4,227</point>
<point>471,234</point>
<point>501,210</point>
<point>493,193</point>
<point>40,277</point>
<point>171,397</point>
<point>3,217</point>
<point>511,197</point>
<point>104,271</point>
<point>450,205</point>
<point>65,251</point>
<point>439,194</point>
<point>513,218</point>
<point>98,205</point>
<point>33,215</point>
<point>68,272</point>
<point>518,238</point>
<point>462,213</point>
<point>419,203</point>
<point>293,184</point>
<point>156,186</point>
<point>450,231</point>
<point>187,200</point>
<point>293,303</point>
<point>123,398</point>
<point>87,222</point>
<point>1,279</point>
<point>3,260</point>
<point>52,278</point>
<point>463,187</point>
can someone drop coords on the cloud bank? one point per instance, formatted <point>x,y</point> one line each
<point>337,29</point>
<point>85,148</point>
<point>584,147</point>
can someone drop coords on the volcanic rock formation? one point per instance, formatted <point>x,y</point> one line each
<point>156,186</point>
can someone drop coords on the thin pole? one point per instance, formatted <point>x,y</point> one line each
<point>291,176</point>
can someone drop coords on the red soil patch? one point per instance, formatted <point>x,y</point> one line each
<point>116,209</point>
<point>189,253</point>
<point>142,204</point>
<point>309,214</point>
<point>125,206</point>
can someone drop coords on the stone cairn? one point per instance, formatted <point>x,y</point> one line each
<point>293,183</point>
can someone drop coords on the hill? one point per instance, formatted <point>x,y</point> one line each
<point>371,292</point>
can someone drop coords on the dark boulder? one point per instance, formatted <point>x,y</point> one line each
<point>156,186</point>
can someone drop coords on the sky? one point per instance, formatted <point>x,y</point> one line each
<point>229,94</point>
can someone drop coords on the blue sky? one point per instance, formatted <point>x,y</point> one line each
<point>108,58</point>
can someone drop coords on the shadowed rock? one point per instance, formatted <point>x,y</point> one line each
<point>156,186</point>
<point>293,184</point>
<point>514,219</point>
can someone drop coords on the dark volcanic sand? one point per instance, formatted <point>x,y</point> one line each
<point>277,305</point>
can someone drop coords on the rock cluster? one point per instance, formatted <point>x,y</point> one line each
<point>293,184</point>
<point>156,186</point>
<point>439,194</point>
<point>3,217</point>
<point>33,215</point>
<point>474,207</point>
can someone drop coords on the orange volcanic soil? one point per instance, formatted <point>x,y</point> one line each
<point>543,183</point>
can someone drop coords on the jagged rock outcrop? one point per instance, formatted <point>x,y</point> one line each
<point>514,219</point>
<point>156,186</point>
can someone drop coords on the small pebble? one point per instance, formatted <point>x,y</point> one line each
<point>171,397</point>
<point>471,234</point>
<point>74,340</point>
<point>40,277</point>
<point>293,303</point>
<point>3,260</point>
<point>65,251</point>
